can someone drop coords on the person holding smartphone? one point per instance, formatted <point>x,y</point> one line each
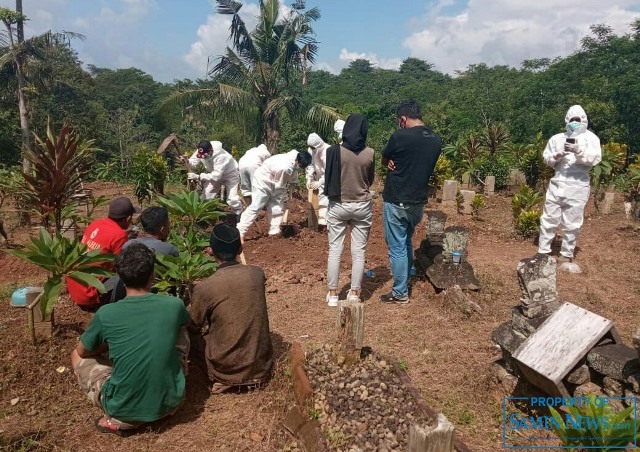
<point>572,154</point>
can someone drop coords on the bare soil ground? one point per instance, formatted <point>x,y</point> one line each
<point>448,354</point>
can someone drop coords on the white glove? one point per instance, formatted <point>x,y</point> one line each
<point>315,185</point>
<point>571,147</point>
<point>558,156</point>
<point>193,176</point>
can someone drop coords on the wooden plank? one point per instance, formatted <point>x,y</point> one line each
<point>561,341</point>
<point>350,323</point>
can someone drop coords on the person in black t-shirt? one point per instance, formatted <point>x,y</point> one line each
<point>410,157</point>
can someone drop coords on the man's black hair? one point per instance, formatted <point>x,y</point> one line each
<point>304,158</point>
<point>134,265</point>
<point>410,109</point>
<point>205,145</point>
<point>153,218</point>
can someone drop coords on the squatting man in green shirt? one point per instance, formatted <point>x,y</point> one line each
<point>144,336</point>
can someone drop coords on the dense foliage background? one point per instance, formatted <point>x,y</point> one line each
<point>119,108</point>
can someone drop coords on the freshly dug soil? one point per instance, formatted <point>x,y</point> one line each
<point>363,406</point>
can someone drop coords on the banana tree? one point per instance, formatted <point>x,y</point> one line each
<point>187,209</point>
<point>61,258</point>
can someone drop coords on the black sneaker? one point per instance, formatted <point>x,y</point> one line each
<point>392,299</point>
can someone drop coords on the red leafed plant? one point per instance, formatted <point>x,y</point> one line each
<point>58,165</point>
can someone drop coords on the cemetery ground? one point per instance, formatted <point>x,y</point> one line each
<point>447,353</point>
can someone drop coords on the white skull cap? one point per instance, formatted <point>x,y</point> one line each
<point>338,126</point>
<point>314,140</point>
<point>263,147</point>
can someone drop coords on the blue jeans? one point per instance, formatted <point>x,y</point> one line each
<point>400,222</point>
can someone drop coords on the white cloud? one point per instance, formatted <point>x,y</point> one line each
<point>383,63</point>
<point>510,31</point>
<point>212,37</point>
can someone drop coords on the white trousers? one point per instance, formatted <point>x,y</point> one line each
<point>261,197</point>
<point>211,189</point>
<point>564,208</point>
<point>246,172</point>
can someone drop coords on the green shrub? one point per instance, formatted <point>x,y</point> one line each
<point>442,172</point>
<point>149,173</point>
<point>606,431</point>
<point>477,204</point>
<point>528,223</point>
<point>498,167</point>
<point>525,209</point>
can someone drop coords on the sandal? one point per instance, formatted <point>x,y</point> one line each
<point>111,427</point>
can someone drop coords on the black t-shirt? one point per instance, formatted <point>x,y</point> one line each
<point>414,152</point>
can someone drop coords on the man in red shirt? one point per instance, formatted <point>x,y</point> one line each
<point>107,234</point>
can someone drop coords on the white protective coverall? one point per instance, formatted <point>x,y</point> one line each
<point>315,173</point>
<point>338,126</point>
<point>269,189</point>
<point>568,190</point>
<point>222,169</point>
<point>248,164</point>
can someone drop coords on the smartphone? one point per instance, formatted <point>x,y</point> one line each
<point>571,140</point>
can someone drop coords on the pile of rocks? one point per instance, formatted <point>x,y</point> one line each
<point>363,406</point>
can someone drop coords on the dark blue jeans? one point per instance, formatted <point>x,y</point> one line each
<point>400,222</point>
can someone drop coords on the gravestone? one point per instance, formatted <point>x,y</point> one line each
<point>490,185</point>
<point>517,178</point>
<point>466,180</point>
<point>607,203</point>
<point>537,279</point>
<point>449,192</point>
<point>467,199</point>
<point>561,342</point>
<point>438,264</point>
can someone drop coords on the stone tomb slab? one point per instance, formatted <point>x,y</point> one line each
<point>565,338</point>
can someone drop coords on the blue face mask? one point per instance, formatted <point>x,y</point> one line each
<point>573,126</point>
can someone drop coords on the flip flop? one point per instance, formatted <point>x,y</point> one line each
<point>110,427</point>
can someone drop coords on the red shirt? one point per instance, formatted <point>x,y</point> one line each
<point>104,234</point>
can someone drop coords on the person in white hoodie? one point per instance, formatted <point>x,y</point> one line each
<point>269,189</point>
<point>221,169</point>
<point>248,164</point>
<point>572,153</point>
<point>315,173</point>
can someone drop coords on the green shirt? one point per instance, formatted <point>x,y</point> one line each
<point>147,382</point>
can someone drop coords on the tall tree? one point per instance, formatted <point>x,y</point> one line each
<point>16,53</point>
<point>261,74</point>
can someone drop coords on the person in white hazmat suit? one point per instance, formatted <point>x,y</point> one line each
<point>248,164</point>
<point>338,126</point>
<point>315,173</point>
<point>572,154</point>
<point>221,169</point>
<point>269,189</point>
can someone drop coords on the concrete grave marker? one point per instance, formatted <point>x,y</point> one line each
<point>467,198</point>
<point>449,192</point>
<point>565,338</point>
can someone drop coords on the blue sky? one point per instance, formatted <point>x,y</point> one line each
<point>172,39</point>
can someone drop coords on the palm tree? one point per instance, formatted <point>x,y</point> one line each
<point>260,76</point>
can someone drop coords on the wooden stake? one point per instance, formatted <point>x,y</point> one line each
<point>437,438</point>
<point>350,329</point>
